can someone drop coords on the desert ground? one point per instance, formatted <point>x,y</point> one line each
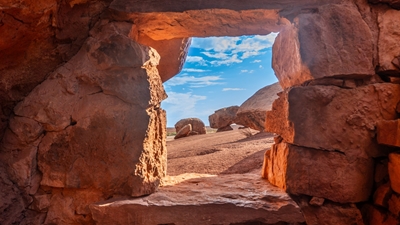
<point>229,152</point>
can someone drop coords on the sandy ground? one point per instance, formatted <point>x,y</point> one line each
<point>218,153</point>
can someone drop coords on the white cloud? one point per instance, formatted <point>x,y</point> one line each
<point>229,50</point>
<point>196,59</point>
<point>256,61</point>
<point>247,71</point>
<point>191,70</point>
<point>182,104</point>
<point>233,89</point>
<point>194,82</point>
<point>261,67</point>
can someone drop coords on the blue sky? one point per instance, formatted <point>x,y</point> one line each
<point>219,72</point>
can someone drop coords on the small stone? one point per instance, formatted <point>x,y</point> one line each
<point>315,201</point>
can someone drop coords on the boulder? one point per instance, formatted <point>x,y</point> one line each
<point>223,117</point>
<point>394,171</point>
<point>252,112</point>
<point>333,118</point>
<point>184,132</point>
<point>388,132</point>
<point>198,126</point>
<point>388,43</point>
<point>222,129</point>
<point>92,126</point>
<point>309,49</point>
<point>324,174</point>
<point>224,199</point>
<point>330,213</point>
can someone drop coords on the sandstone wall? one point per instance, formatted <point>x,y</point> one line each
<point>338,64</point>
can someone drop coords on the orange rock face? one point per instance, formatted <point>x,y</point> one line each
<point>332,118</point>
<point>310,48</point>
<point>324,174</point>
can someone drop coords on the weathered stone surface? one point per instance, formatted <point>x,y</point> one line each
<point>333,118</point>
<point>143,6</point>
<point>227,128</point>
<point>394,205</point>
<point>184,132</point>
<point>381,172</point>
<point>11,201</point>
<point>393,3</point>
<point>330,213</point>
<point>388,132</point>
<point>315,201</point>
<point>226,199</point>
<point>252,112</point>
<point>375,216</point>
<point>324,174</point>
<point>394,171</point>
<point>310,49</point>
<point>172,54</point>
<point>223,117</point>
<point>197,125</point>
<point>388,44</point>
<point>382,195</point>
<point>90,107</point>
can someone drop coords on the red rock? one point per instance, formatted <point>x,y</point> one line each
<point>172,54</point>
<point>227,128</point>
<point>382,195</point>
<point>184,132</point>
<point>381,172</point>
<point>334,119</point>
<point>394,171</point>
<point>330,213</point>
<point>252,112</point>
<point>223,117</point>
<point>388,132</point>
<point>388,44</point>
<point>197,125</point>
<point>394,3</point>
<point>224,199</point>
<point>324,174</point>
<point>394,205</point>
<point>376,216</point>
<point>312,50</point>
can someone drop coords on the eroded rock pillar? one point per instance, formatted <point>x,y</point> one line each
<point>93,130</point>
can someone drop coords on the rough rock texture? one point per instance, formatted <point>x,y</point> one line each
<point>86,128</point>
<point>172,54</point>
<point>223,117</point>
<point>394,171</point>
<point>329,175</point>
<point>184,132</point>
<point>310,49</point>
<point>198,126</point>
<point>334,119</point>
<point>389,46</point>
<point>252,112</point>
<point>393,3</point>
<point>330,213</point>
<point>227,128</point>
<point>224,199</point>
<point>376,216</point>
<point>388,132</point>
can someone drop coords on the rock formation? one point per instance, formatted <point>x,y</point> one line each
<point>223,118</point>
<point>196,127</point>
<point>80,102</point>
<point>252,112</point>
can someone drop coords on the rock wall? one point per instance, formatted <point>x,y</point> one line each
<point>338,64</point>
<point>84,134</point>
